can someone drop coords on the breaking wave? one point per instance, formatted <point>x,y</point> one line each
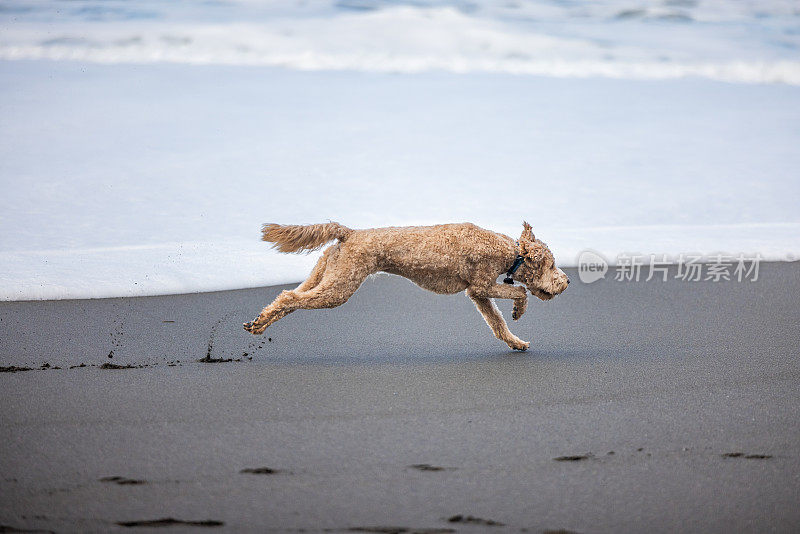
<point>603,40</point>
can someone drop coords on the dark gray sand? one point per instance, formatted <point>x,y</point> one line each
<point>641,407</point>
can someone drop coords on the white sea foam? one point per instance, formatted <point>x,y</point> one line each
<point>131,271</point>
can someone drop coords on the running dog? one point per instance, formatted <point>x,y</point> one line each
<point>445,259</point>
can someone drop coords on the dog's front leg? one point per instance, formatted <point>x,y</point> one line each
<point>520,305</point>
<point>505,291</point>
<point>495,320</point>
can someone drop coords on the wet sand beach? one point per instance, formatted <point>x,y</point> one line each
<point>641,407</point>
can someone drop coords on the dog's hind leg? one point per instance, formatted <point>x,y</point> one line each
<point>496,322</point>
<point>316,273</point>
<point>340,279</point>
<point>266,315</point>
<point>328,294</point>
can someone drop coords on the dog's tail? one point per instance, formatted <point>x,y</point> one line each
<point>297,238</point>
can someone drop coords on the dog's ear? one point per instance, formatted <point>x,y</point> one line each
<point>527,242</point>
<point>527,232</point>
<point>528,246</point>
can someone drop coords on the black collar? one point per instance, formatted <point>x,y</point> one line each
<point>509,279</point>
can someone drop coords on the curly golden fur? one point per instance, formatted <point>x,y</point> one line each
<point>445,258</point>
<point>296,238</point>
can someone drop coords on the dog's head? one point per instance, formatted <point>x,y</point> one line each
<point>539,272</point>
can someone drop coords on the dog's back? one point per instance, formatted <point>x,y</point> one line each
<point>443,246</point>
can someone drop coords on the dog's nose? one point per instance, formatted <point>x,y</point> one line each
<point>567,281</point>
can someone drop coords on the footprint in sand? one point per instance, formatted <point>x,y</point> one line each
<point>168,522</point>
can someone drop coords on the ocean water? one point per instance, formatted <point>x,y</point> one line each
<point>753,41</point>
<point>142,144</point>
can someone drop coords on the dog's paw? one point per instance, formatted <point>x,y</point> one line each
<point>521,346</point>
<point>254,328</point>
<point>519,310</point>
